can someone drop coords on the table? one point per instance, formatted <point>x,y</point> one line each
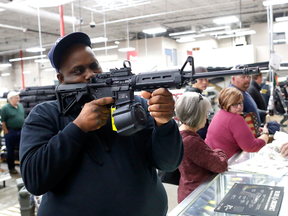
<point>203,200</point>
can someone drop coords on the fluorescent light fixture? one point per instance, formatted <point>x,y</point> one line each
<point>13,27</point>
<point>226,36</point>
<point>4,65</point>
<point>224,20</point>
<point>186,39</point>
<point>117,42</point>
<point>35,49</point>
<point>44,3</point>
<point>154,30</point>
<point>2,9</point>
<point>215,29</point>
<point>27,58</point>
<point>50,69</point>
<point>241,33</point>
<point>274,2</point>
<point>104,48</point>
<point>237,34</point>
<point>126,49</point>
<point>98,40</point>
<point>281,19</point>
<point>5,74</point>
<point>229,31</point>
<point>182,33</point>
<point>26,72</point>
<point>120,6</point>
<point>197,36</point>
<point>41,60</point>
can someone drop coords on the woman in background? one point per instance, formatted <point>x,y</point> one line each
<point>228,129</point>
<point>199,160</point>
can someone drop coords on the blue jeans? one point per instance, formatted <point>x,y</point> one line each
<point>12,140</point>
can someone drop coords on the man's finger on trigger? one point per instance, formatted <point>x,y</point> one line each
<point>162,91</point>
<point>145,94</point>
<point>103,101</point>
<point>161,108</point>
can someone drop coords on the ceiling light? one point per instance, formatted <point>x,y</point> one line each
<point>2,9</point>
<point>223,20</point>
<point>186,39</point>
<point>214,29</point>
<point>45,3</point>
<point>241,33</point>
<point>237,34</point>
<point>27,58</point>
<point>13,27</point>
<point>154,30</point>
<point>41,60</point>
<point>5,74</point>
<point>117,42</point>
<point>26,72</point>
<point>35,49</point>
<point>274,2</point>
<point>126,49</point>
<point>197,36</point>
<point>229,31</point>
<point>98,40</point>
<point>182,33</point>
<point>119,6</point>
<point>281,19</point>
<point>226,36</point>
<point>104,48</point>
<point>4,65</point>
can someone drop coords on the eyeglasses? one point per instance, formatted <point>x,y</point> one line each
<point>200,98</point>
<point>237,104</point>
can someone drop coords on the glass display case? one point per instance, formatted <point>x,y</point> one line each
<point>203,200</point>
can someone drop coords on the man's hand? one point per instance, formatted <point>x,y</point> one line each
<point>284,150</point>
<point>4,128</point>
<point>161,105</point>
<point>94,114</point>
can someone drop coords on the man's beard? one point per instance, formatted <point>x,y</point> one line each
<point>246,85</point>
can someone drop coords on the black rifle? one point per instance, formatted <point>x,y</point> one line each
<point>130,117</point>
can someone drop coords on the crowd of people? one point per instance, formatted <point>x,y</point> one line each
<point>81,165</point>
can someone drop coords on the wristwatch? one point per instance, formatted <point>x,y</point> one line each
<point>265,132</point>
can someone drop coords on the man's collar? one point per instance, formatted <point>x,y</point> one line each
<point>9,104</point>
<point>193,89</point>
<point>256,85</point>
<point>237,88</point>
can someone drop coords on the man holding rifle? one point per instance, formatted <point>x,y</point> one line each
<point>80,164</point>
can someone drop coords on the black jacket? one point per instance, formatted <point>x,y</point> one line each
<point>254,90</point>
<point>99,172</point>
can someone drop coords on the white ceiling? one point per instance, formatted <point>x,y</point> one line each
<point>174,15</point>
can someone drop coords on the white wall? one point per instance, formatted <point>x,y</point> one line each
<point>261,41</point>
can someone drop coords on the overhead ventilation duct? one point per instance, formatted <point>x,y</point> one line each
<point>23,9</point>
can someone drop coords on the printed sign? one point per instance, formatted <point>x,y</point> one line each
<point>252,199</point>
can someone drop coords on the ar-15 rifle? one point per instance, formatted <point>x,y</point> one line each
<point>130,117</point>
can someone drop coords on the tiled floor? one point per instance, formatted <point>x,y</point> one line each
<point>172,196</point>
<point>9,204</point>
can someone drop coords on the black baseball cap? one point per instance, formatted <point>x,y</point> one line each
<point>63,43</point>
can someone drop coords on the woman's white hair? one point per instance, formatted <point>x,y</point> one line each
<point>192,108</point>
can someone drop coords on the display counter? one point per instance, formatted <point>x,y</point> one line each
<point>204,199</point>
